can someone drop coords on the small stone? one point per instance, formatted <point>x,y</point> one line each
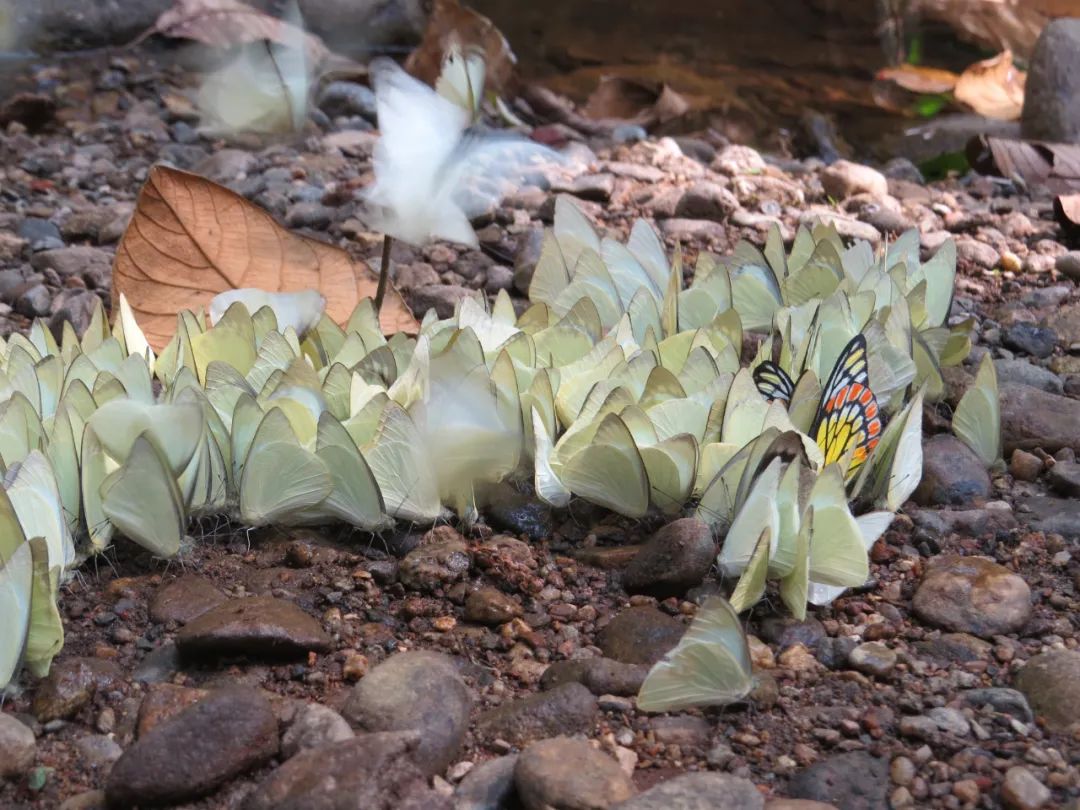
<point>1027,338</point>
<point>798,658</point>
<point>34,302</point>
<point>681,229</point>
<point>88,800</point>
<point>977,253</point>
<point>98,750</point>
<point>416,690</point>
<point>375,771</point>
<point>706,200</point>
<point>918,727</point>
<point>343,98</point>
<point>784,631</point>
<point>260,626</point>
<point>308,214</point>
<point>640,635</point>
<point>192,754</point>
<point>952,473</point>
<point>681,730</point>
<point>491,606</point>
<point>593,187</point>
<point>1051,683</point>
<point>1025,466</point>
<point>528,253</point>
<point>856,781</point>
<point>511,511</point>
<point>834,652</point>
<point>183,599</point>
<point>950,720</point>
<point>314,725</point>
<point>17,748</point>
<point>872,658</point>
<point>71,261</point>
<point>1001,699</point>
<point>966,790</point>
<point>436,565</point>
<point>75,307</point>
<point>602,676</point>
<point>443,298</point>
<point>673,560</point>
<point>488,786</point>
<point>1022,791</point>
<point>844,179</point>
<point>499,278</point>
<point>71,684</point>
<point>566,709</point>
<point>972,595</point>
<point>565,773</point>
<point>902,771</point>
<point>227,165</point>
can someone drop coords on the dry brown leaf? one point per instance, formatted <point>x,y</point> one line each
<point>190,239</point>
<point>226,23</point>
<point>451,23</point>
<point>1067,212</point>
<point>919,79</point>
<point>620,98</point>
<point>1037,163</point>
<point>993,87</point>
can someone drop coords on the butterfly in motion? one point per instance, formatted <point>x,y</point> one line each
<point>848,417</point>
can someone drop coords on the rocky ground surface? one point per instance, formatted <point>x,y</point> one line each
<point>497,669</point>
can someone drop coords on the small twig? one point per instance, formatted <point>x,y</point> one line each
<point>384,272</point>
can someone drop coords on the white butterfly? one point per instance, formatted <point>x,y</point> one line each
<point>431,175</point>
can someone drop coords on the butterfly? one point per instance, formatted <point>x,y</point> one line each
<point>848,417</point>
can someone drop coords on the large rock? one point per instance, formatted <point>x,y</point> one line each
<point>640,635</point>
<point>1031,418</point>
<point>1051,682</point>
<point>972,595</point>
<point>418,690</point>
<point>952,473</point>
<point>190,755</point>
<point>673,560</point>
<point>1026,373</point>
<point>1052,93</point>
<point>567,709</point>
<point>854,781</point>
<point>369,772</point>
<point>261,626</point>
<point>17,747</point>
<point>699,791</point>
<point>565,773</point>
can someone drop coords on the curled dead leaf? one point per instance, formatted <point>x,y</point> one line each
<point>919,79</point>
<point>227,23</point>
<point>993,87</point>
<point>451,23</point>
<point>626,99</point>
<point>1067,213</point>
<point>1034,163</point>
<point>190,239</point>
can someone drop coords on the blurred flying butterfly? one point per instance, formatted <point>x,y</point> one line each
<point>847,417</point>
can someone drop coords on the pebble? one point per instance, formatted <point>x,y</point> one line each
<point>488,605</point>
<point>681,730</point>
<point>563,773</point>
<point>487,786</point>
<point>1022,791</point>
<point>34,302</point>
<point>71,684</point>
<point>1051,683</point>
<point>190,755</point>
<point>872,658</point>
<point>1027,373</point>
<point>417,690</point>
<point>258,626</point>
<point>699,791</point>
<point>975,252</point>
<point>640,635</point>
<point>567,709</point>
<point>314,725</point>
<point>950,720</point>
<point>98,750</point>
<point>972,595</point>
<point>844,179</point>
<point>1025,466</point>
<point>443,298</point>
<point>902,771</point>
<point>952,473</point>
<point>602,676</point>
<point>1000,699</point>
<point>1064,477</point>
<point>1068,264</point>
<point>707,200</point>
<point>17,747</point>
<point>382,768</point>
<point>185,598</point>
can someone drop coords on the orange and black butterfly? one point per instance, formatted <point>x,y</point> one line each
<point>847,417</point>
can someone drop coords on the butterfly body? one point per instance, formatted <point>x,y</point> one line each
<point>848,418</point>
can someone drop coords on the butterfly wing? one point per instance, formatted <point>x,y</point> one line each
<point>848,418</point>
<point>773,382</point>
